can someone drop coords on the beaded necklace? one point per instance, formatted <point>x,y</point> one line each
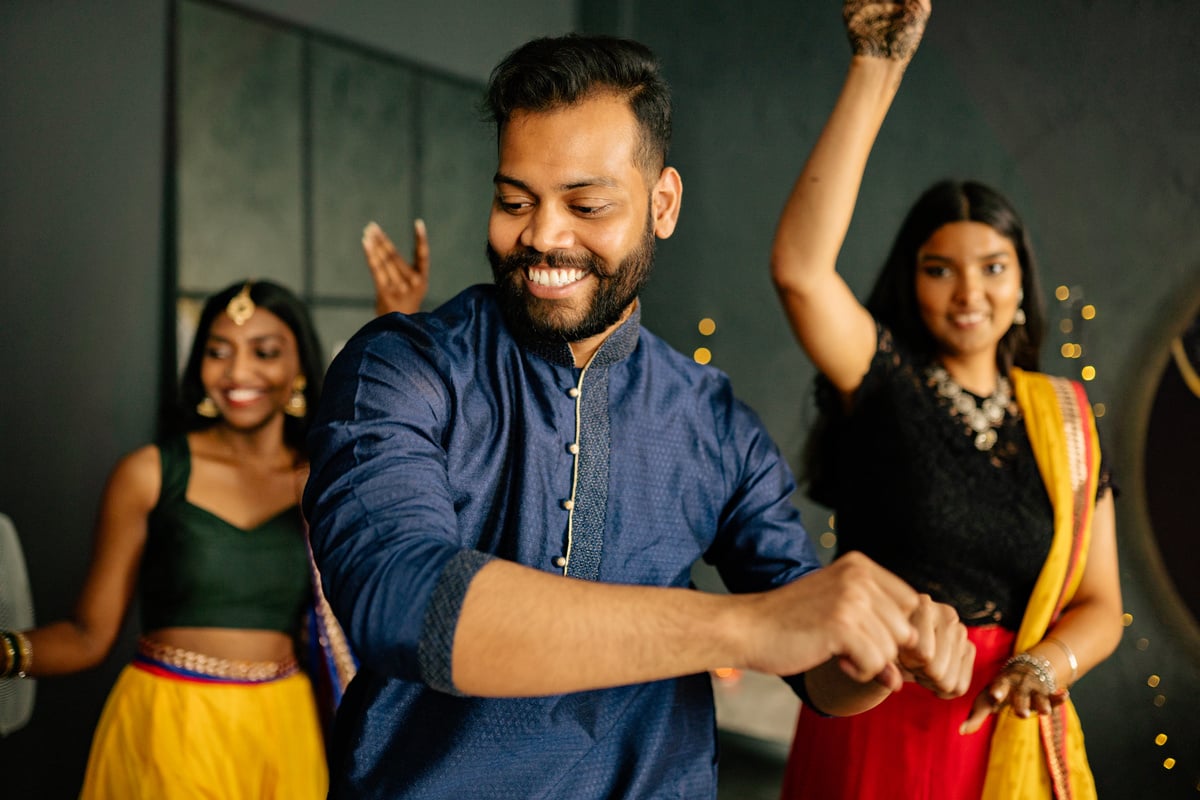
<point>980,418</point>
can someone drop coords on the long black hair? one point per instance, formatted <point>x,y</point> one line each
<point>893,303</point>
<point>282,303</point>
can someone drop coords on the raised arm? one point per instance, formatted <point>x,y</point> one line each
<point>400,285</point>
<point>85,639</point>
<point>833,327</point>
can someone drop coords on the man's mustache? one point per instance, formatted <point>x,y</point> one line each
<point>523,258</point>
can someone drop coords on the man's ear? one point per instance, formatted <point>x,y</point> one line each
<point>666,198</point>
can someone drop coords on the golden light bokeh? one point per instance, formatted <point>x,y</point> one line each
<point>1062,293</point>
<point>707,327</point>
<point>828,540</point>
<point>1099,409</point>
<point>1153,681</point>
<point>1088,311</point>
<point>702,355</point>
<point>1161,739</point>
<point>1088,373</point>
<point>1127,619</point>
<point>1066,326</point>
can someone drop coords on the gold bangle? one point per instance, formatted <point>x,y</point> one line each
<point>26,650</point>
<point>10,654</point>
<point>1070,654</point>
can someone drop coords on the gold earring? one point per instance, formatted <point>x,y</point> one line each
<point>297,404</point>
<point>207,408</point>
<point>1019,316</point>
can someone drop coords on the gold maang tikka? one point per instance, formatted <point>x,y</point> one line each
<point>241,307</point>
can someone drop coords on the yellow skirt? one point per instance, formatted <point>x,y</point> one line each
<point>165,738</point>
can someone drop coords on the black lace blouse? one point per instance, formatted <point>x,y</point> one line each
<point>969,527</point>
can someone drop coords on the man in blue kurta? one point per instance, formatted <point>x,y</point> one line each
<point>507,496</point>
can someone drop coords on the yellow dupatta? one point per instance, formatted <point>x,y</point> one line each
<point>1043,756</point>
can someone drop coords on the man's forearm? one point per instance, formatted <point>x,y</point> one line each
<point>523,632</point>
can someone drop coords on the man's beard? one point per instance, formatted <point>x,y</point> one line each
<point>554,320</point>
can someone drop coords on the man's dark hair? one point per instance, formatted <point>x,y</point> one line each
<point>553,72</point>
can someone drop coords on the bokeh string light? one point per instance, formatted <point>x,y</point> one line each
<point>707,327</point>
<point>1074,316</point>
<point>1165,743</point>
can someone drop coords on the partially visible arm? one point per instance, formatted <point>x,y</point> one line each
<point>525,632</point>
<point>86,638</point>
<point>837,332</point>
<point>400,285</point>
<point>1090,627</point>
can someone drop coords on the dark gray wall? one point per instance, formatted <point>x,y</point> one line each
<point>1085,112</point>
<point>81,148</point>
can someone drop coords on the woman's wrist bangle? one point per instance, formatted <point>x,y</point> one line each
<point>18,654</point>
<point>8,647</point>
<point>1037,666</point>
<point>1070,654</point>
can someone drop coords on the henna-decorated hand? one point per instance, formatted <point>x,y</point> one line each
<point>1020,688</point>
<point>885,30</point>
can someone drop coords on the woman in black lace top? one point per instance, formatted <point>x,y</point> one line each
<point>950,461</point>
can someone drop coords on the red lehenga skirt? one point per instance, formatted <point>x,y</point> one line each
<point>906,748</point>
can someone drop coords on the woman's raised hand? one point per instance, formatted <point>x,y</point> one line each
<point>400,285</point>
<point>885,30</point>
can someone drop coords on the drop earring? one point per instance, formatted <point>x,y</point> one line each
<point>1019,316</point>
<point>207,408</point>
<point>297,404</point>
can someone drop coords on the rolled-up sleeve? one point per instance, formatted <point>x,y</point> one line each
<point>378,500</point>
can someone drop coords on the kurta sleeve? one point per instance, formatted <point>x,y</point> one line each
<point>378,500</point>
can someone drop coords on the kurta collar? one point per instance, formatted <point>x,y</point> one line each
<point>619,344</point>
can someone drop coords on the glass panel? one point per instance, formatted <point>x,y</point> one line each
<point>239,170</point>
<point>363,163</point>
<point>458,160</point>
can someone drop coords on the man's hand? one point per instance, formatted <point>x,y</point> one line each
<point>399,285</point>
<point>853,610</point>
<point>943,658</point>
<point>885,30</point>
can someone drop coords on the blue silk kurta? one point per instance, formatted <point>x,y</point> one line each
<point>442,442</point>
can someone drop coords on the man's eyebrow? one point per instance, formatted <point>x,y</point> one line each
<point>581,183</point>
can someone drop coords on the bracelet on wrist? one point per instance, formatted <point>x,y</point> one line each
<point>1037,666</point>
<point>1072,662</point>
<point>18,654</point>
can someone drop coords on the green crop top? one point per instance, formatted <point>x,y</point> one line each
<point>200,571</point>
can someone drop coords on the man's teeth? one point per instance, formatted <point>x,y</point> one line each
<point>555,277</point>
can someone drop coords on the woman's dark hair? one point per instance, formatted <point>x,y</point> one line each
<point>553,72</point>
<point>282,303</point>
<point>893,302</point>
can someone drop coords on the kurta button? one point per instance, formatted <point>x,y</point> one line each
<point>573,448</point>
<point>560,562</point>
<point>569,505</point>
<point>573,391</point>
